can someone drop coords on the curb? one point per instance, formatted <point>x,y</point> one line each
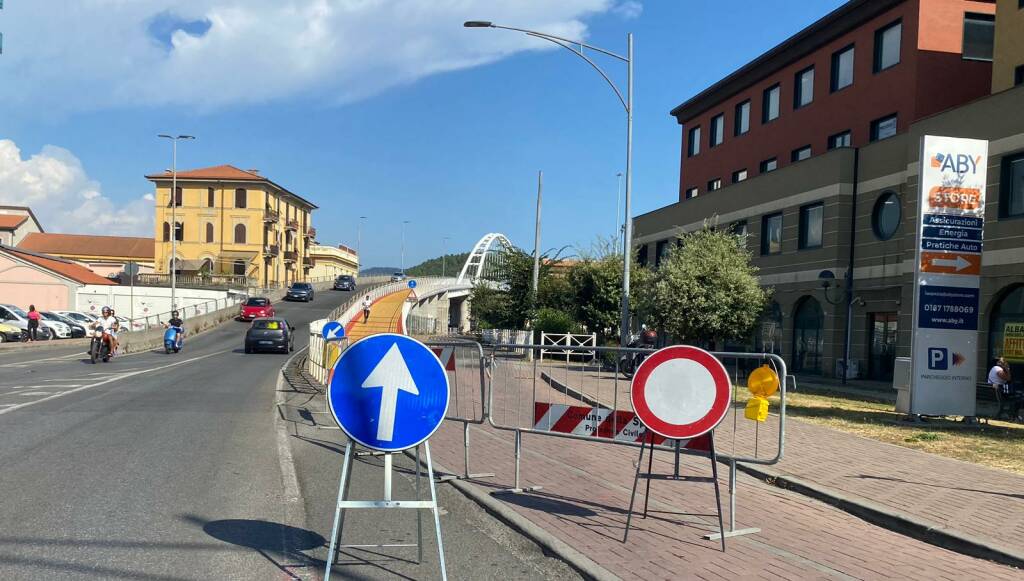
<point>548,542</point>
<point>876,514</point>
<point>11,346</point>
<point>891,519</point>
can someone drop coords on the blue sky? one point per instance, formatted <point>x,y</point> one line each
<point>368,128</point>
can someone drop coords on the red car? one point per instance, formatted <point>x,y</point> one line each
<point>256,307</point>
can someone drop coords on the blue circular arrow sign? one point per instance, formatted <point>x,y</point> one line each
<point>333,330</point>
<point>388,392</point>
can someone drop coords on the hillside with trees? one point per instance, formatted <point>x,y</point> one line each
<point>450,264</point>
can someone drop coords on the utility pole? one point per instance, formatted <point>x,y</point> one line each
<point>444,256</point>
<point>174,213</point>
<point>536,236</point>
<point>404,222</point>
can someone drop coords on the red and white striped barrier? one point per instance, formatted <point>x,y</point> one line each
<point>447,356</point>
<point>600,422</point>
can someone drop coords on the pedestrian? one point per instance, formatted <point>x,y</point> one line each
<point>999,377</point>
<point>33,322</point>
<point>366,308</point>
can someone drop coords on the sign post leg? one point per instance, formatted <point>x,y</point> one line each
<point>718,494</point>
<point>632,496</point>
<point>338,514</point>
<point>437,514</point>
<point>419,513</point>
<point>650,472</point>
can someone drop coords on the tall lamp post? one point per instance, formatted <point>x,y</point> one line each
<point>444,256</point>
<point>617,232</point>
<point>359,239</point>
<point>174,214</point>
<point>577,48</point>
<point>404,222</point>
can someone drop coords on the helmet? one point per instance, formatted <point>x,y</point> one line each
<point>174,313</point>
<point>106,310</point>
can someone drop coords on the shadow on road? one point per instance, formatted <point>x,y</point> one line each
<point>281,545</point>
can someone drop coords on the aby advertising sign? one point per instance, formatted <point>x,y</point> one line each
<point>951,223</point>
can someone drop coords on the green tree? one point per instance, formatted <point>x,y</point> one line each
<point>449,265</point>
<point>705,289</point>
<point>595,289</point>
<point>506,299</point>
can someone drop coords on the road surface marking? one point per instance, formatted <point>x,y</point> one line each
<point>110,380</point>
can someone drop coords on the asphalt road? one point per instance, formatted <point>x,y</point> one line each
<point>162,467</point>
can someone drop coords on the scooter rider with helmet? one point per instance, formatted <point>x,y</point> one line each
<point>110,326</point>
<point>176,322</point>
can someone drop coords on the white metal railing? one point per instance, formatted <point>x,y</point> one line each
<point>193,310</point>
<point>568,344</point>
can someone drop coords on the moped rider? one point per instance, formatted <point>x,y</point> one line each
<point>179,326</point>
<point>110,326</point>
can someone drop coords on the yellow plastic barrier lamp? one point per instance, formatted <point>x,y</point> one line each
<point>762,383</point>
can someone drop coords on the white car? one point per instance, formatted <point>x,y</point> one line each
<point>79,317</point>
<point>12,315</point>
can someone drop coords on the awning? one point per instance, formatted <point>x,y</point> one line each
<point>188,265</point>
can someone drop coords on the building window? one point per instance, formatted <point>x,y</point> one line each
<point>239,233</point>
<point>801,153</point>
<point>660,252</point>
<point>239,267</point>
<point>692,193</point>
<point>803,88</point>
<point>240,198</point>
<point>715,184</point>
<point>209,232</point>
<point>641,256</point>
<point>178,197</point>
<point>211,198</point>
<point>979,36</point>
<point>1018,74</point>
<point>769,165</point>
<point>739,175</point>
<point>886,215</point>
<point>770,104</point>
<point>179,231</point>
<point>693,143</point>
<point>844,139</point>
<point>738,228</point>
<point>842,69</point>
<point>167,232</point>
<point>887,46</point>
<point>771,234</point>
<point>811,222</point>
<point>883,128</point>
<point>742,118</point>
<point>1011,187</point>
<point>717,134</point>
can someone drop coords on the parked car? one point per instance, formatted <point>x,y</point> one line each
<point>299,291</point>
<point>16,317</point>
<point>345,282</point>
<point>270,334</point>
<point>397,277</point>
<point>125,324</point>
<point>255,307</point>
<point>77,330</point>
<point>11,333</point>
<point>84,319</point>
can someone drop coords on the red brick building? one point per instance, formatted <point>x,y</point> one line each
<point>861,73</point>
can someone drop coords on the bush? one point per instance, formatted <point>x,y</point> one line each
<point>554,321</point>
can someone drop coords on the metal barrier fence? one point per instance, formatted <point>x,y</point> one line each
<point>530,396</point>
<point>193,310</point>
<point>568,344</point>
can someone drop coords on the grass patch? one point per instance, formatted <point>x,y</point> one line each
<point>998,444</point>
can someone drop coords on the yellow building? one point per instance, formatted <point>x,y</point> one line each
<point>234,225</point>
<point>331,261</point>
<point>1008,51</point>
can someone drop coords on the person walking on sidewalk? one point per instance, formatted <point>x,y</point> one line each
<point>33,322</point>
<point>366,308</point>
<point>1000,378</point>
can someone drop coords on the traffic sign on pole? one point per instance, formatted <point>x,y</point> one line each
<point>412,283</point>
<point>388,392</point>
<point>681,392</point>
<point>333,330</point>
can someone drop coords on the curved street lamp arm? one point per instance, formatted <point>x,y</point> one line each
<point>553,38</point>
<point>570,46</point>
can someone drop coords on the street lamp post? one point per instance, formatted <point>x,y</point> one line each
<point>359,237</point>
<point>577,48</point>
<point>536,236</point>
<point>404,222</point>
<point>174,214</point>
<point>444,256</point>
<point>617,232</point>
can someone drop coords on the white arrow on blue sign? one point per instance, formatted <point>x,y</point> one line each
<point>412,284</point>
<point>388,392</point>
<point>333,330</point>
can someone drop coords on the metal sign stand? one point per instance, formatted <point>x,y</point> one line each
<point>343,504</point>
<point>649,475</point>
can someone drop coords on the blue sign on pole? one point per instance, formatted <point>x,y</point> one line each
<point>948,307</point>
<point>388,392</point>
<point>333,330</point>
<point>412,284</point>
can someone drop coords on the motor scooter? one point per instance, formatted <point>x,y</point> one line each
<point>174,338</point>
<point>99,348</point>
<point>630,362</point>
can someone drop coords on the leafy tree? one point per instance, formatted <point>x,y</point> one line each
<point>553,321</point>
<point>595,286</point>
<point>449,265</point>
<point>705,289</point>
<point>507,299</point>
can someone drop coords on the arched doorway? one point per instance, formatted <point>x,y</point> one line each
<point>768,337</point>
<point>1006,329</point>
<point>808,336</point>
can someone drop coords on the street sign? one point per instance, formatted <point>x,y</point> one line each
<point>950,235</point>
<point>333,330</point>
<point>681,392</point>
<point>388,392</point>
<point>412,284</point>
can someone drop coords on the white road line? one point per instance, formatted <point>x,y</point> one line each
<point>48,386</point>
<point>109,380</point>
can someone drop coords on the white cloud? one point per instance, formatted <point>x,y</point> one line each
<point>628,9</point>
<point>64,198</point>
<point>91,54</point>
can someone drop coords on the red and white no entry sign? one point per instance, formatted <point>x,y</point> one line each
<point>681,392</point>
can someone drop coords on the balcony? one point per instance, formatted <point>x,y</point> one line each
<point>291,255</point>
<point>271,216</point>
<point>271,251</point>
<point>196,280</point>
<point>307,262</point>
<point>292,225</point>
<point>311,232</point>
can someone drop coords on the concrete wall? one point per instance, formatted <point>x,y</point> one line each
<point>25,284</point>
<point>141,301</point>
